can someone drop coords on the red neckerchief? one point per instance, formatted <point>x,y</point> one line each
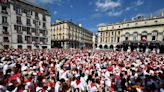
<point>78,82</point>
<point>92,84</point>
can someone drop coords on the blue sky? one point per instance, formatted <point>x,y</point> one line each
<point>91,13</point>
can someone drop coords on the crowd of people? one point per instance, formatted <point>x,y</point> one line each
<point>80,70</point>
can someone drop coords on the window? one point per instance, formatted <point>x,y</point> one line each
<point>36,15</point>
<point>4,19</point>
<point>118,39</point>
<point>28,22</point>
<point>24,28</point>
<point>135,36</point>
<point>5,30</point>
<point>4,9</point>
<point>112,40</point>
<point>17,28</point>
<point>126,38</point>
<point>144,36</point>
<point>5,39</point>
<point>112,32</point>
<point>36,23</point>
<point>19,39</point>
<point>154,35</point>
<point>19,46</point>
<point>44,18</point>
<point>28,30</point>
<point>28,13</point>
<point>18,10</point>
<point>44,25</point>
<point>19,20</point>
<point>118,32</point>
<point>153,38</point>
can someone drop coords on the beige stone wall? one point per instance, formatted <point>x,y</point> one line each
<point>109,34</point>
<point>70,31</point>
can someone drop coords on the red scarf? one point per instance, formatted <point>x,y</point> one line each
<point>78,82</point>
<point>92,84</point>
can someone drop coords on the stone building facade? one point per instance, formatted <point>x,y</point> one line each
<point>24,24</point>
<point>66,34</point>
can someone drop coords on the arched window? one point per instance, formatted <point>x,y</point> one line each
<point>144,35</point>
<point>100,46</point>
<point>127,36</point>
<point>135,35</point>
<point>105,46</point>
<point>154,35</point>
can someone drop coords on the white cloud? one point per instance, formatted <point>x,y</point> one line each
<point>134,5</point>
<point>71,6</point>
<point>139,2</point>
<point>117,13</point>
<point>101,24</point>
<point>96,15</point>
<point>104,5</point>
<point>55,12</point>
<point>128,8</point>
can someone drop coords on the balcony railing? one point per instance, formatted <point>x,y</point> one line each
<point>20,41</point>
<point>28,24</point>
<point>37,34</point>
<point>36,17</point>
<point>37,26</point>
<point>29,42</point>
<point>5,23</point>
<point>6,40</point>
<point>19,22</point>
<point>28,33</point>
<point>28,15</point>
<point>4,12</point>
<point>5,32</point>
<point>19,32</point>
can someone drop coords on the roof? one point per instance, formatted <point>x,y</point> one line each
<point>30,2</point>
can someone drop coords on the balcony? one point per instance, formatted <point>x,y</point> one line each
<point>28,33</point>
<point>4,12</point>
<point>19,32</point>
<point>5,33</point>
<point>37,26</point>
<point>28,24</point>
<point>5,23</point>
<point>29,42</point>
<point>44,27</point>
<point>19,22</point>
<point>36,17</point>
<point>37,34</point>
<point>6,40</point>
<point>28,15</point>
<point>20,41</point>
